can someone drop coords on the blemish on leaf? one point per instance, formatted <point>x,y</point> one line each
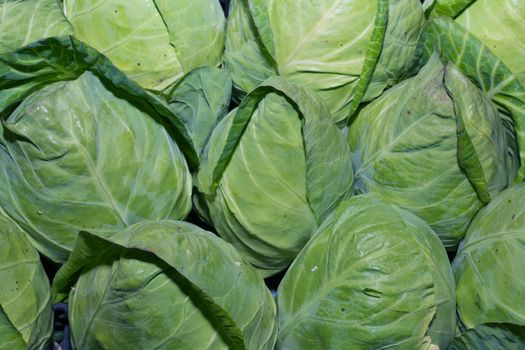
<point>372,293</point>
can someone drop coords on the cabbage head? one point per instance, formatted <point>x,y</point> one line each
<point>273,170</point>
<point>373,276</point>
<point>434,145</point>
<point>499,24</point>
<point>84,148</point>
<point>343,50</point>
<point>155,42</point>
<point>25,21</point>
<point>164,284</point>
<point>486,70</point>
<point>488,268</point>
<point>26,316</point>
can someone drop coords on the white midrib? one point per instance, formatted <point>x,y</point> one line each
<point>102,184</point>
<point>92,167</point>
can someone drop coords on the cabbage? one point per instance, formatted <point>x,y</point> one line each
<point>155,42</point>
<point>273,170</point>
<point>373,276</point>
<point>164,284</point>
<point>434,145</point>
<point>84,148</point>
<point>489,265</point>
<point>487,71</point>
<point>325,46</point>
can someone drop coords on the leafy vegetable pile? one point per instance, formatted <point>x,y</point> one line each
<point>318,174</point>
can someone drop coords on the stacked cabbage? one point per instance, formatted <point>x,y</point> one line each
<point>346,150</point>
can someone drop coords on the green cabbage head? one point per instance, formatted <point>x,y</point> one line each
<point>342,50</point>
<point>436,146</point>
<point>83,148</point>
<point>26,316</point>
<point>374,276</point>
<point>273,170</point>
<point>164,284</point>
<point>155,42</point>
<point>488,268</point>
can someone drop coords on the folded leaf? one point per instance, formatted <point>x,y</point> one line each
<point>216,300</point>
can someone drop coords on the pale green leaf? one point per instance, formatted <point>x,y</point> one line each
<point>245,54</point>
<point>155,42</point>
<point>322,46</point>
<point>25,21</point>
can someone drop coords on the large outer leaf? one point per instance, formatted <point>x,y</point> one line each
<point>28,69</point>
<point>23,22</point>
<point>489,265</point>
<point>244,53</point>
<point>371,57</point>
<point>490,74</point>
<point>500,25</point>
<point>26,317</point>
<point>373,276</point>
<point>488,171</point>
<point>82,154</point>
<point>155,42</point>
<point>403,30</point>
<point>492,336</point>
<point>200,100</point>
<point>165,284</point>
<point>314,46</point>
<point>274,169</point>
<point>405,149</point>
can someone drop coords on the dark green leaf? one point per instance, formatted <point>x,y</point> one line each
<point>491,336</point>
